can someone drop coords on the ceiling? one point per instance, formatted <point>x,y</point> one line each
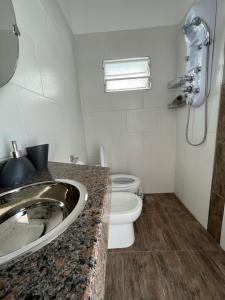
<point>88,16</point>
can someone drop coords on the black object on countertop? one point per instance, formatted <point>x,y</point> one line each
<point>17,169</point>
<point>38,155</point>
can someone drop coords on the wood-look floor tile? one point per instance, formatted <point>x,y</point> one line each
<point>155,232</point>
<point>190,275</point>
<point>173,257</point>
<point>149,204</point>
<point>138,274</point>
<point>152,233</point>
<point>114,288</point>
<point>190,235</point>
<point>164,203</point>
<point>165,275</point>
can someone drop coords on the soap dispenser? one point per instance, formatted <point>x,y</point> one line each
<point>17,169</point>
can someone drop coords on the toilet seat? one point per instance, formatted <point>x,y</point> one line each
<point>125,208</point>
<point>124,180</point>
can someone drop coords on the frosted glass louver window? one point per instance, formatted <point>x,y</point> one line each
<point>127,74</point>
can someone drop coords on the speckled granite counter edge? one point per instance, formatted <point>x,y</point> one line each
<point>73,265</point>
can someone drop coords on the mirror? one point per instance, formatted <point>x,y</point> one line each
<point>9,43</point>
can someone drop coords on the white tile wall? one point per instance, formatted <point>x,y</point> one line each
<point>106,122</point>
<point>158,96</point>
<point>194,165</point>
<point>136,128</point>
<point>143,120</point>
<point>159,143</point>
<point>41,103</point>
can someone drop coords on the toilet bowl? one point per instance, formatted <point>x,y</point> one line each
<point>121,182</point>
<point>125,210</point>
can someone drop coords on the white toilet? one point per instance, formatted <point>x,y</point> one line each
<point>125,209</point>
<point>121,182</point>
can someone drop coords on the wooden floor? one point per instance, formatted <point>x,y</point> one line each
<point>173,257</point>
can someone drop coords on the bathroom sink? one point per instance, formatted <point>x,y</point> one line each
<point>33,215</point>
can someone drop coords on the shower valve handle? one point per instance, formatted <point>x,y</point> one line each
<point>188,89</point>
<point>189,78</point>
<point>196,90</point>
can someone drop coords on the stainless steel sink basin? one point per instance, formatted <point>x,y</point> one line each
<point>34,215</point>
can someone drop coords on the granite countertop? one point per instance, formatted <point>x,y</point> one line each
<point>73,265</point>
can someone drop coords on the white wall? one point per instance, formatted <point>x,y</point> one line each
<point>64,4</point>
<point>136,128</point>
<point>194,165</point>
<point>41,103</point>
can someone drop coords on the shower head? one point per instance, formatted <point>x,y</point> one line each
<point>197,21</point>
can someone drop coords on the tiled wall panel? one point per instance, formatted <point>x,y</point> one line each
<point>136,128</point>
<point>41,103</point>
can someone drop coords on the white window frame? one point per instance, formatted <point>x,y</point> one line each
<point>145,58</point>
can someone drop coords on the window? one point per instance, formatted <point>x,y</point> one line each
<point>127,74</point>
